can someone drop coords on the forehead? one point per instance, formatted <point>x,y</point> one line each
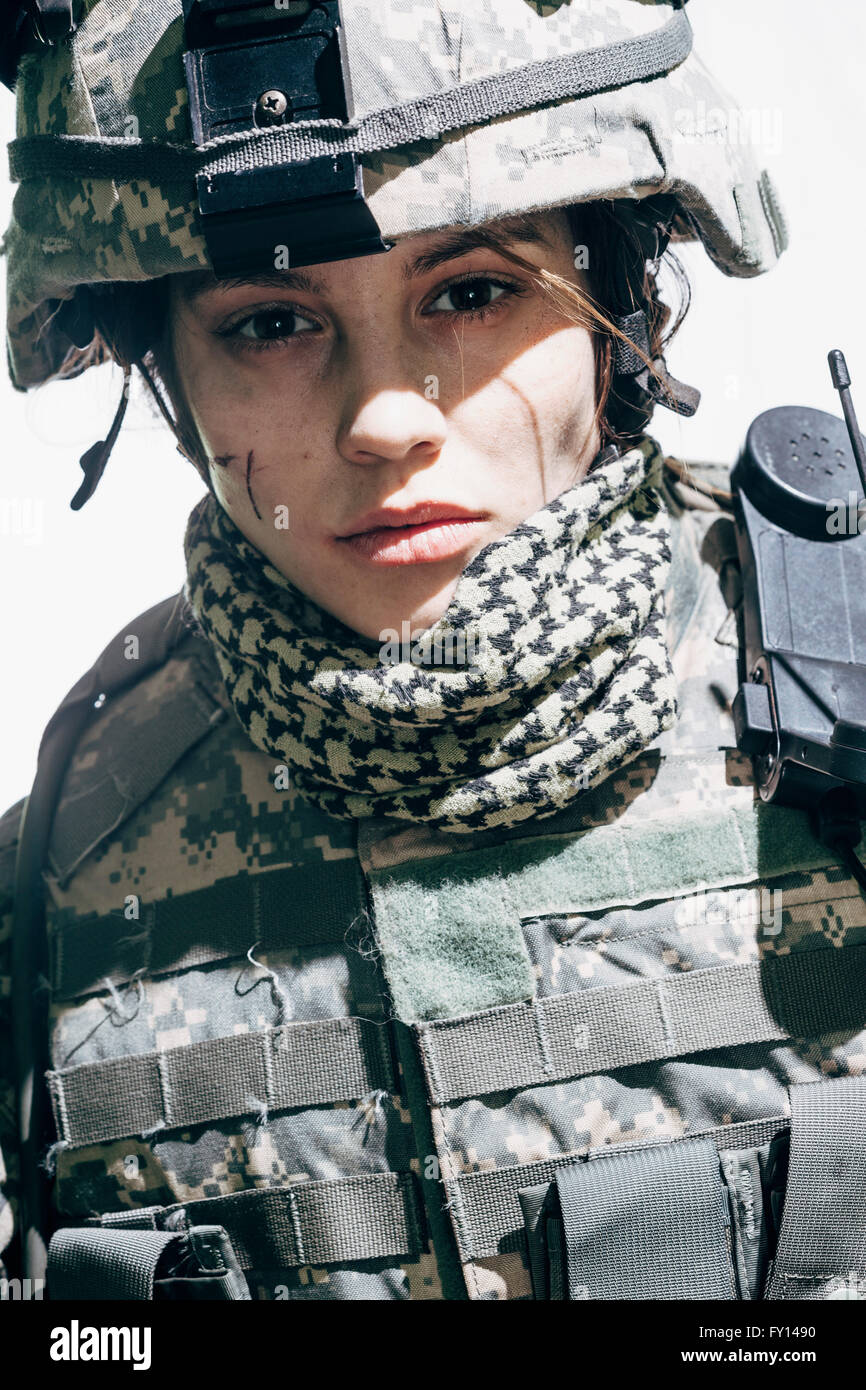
<point>416,255</point>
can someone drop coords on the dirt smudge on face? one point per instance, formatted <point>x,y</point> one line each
<point>249,489</point>
<point>224,460</point>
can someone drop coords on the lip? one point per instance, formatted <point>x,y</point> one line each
<point>421,534</point>
<point>418,515</point>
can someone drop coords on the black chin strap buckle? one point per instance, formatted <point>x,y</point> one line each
<point>630,359</point>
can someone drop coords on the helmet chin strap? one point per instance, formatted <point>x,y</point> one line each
<point>651,222</point>
<point>632,359</point>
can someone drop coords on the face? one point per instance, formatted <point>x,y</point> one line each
<point>435,380</point>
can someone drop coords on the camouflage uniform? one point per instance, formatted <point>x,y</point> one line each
<point>329,1067</point>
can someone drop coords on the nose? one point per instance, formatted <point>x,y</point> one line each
<point>390,422</point>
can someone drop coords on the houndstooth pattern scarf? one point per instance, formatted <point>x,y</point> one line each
<point>548,670</point>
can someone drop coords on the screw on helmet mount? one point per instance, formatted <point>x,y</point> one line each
<point>250,66</point>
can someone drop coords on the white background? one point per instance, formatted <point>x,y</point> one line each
<point>75,579</point>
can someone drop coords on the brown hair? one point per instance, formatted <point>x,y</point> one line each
<point>133,323</point>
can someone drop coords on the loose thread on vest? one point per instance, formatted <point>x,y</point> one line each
<point>148,1134</point>
<point>371,1110</point>
<point>279,998</point>
<point>258,1108</point>
<point>116,1011</point>
<point>49,1161</point>
<point>115,1006</point>
<point>252,1132</point>
<point>360,936</point>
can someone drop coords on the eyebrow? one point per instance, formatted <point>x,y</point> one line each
<point>521,227</point>
<point>203,282</point>
<point>461,240</point>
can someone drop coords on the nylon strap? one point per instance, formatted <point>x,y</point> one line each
<point>804,994</point>
<point>536,84</point>
<point>298,1064</point>
<point>486,1206</point>
<point>822,1240</point>
<point>374,1216</point>
<point>105,1264</point>
<point>307,905</point>
<point>647,1223</point>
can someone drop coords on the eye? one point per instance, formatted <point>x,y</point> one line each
<point>268,324</point>
<point>471,295</point>
<point>267,327</point>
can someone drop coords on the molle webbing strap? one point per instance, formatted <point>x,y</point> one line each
<point>647,1223</point>
<point>109,1265</point>
<point>804,994</point>
<point>307,905</point>
<point>822,1240</point>
<point>486,1206</point>
<point>374,1216</point>
<point>568,77</point>
<point>298,1064</point>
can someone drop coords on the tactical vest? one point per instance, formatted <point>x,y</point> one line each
<point>615,1053</point>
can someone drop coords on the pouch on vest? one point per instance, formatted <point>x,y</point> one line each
<point>196,1263</point>
<point>687,1220</point>
<point>641,1223</point>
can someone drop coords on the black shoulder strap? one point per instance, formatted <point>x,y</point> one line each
<point>159,630</point>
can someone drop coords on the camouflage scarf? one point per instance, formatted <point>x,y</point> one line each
<point>548,669</point>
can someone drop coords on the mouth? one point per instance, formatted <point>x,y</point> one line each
<point>423,534</point>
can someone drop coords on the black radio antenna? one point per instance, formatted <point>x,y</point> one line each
<point>842,381</point>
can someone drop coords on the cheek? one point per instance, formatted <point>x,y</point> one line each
<point>547,391</point>
<point>562,368</point>
<point>239,409</point>
<point>225,397</point>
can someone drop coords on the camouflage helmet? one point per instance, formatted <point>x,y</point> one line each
<point>461,111</point>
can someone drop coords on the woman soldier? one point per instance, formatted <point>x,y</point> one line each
<point>370,876</point>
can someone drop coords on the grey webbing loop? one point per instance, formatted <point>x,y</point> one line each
<point>650,1223</point>
<point>593,1031</point>
<point>822,1241</point>
<point>331,1221</point>
<point>294,1064</point>
<point>536,84</point>
<point>487,1205</point>
<point>93,1263</point>
<point>85,1263</point>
